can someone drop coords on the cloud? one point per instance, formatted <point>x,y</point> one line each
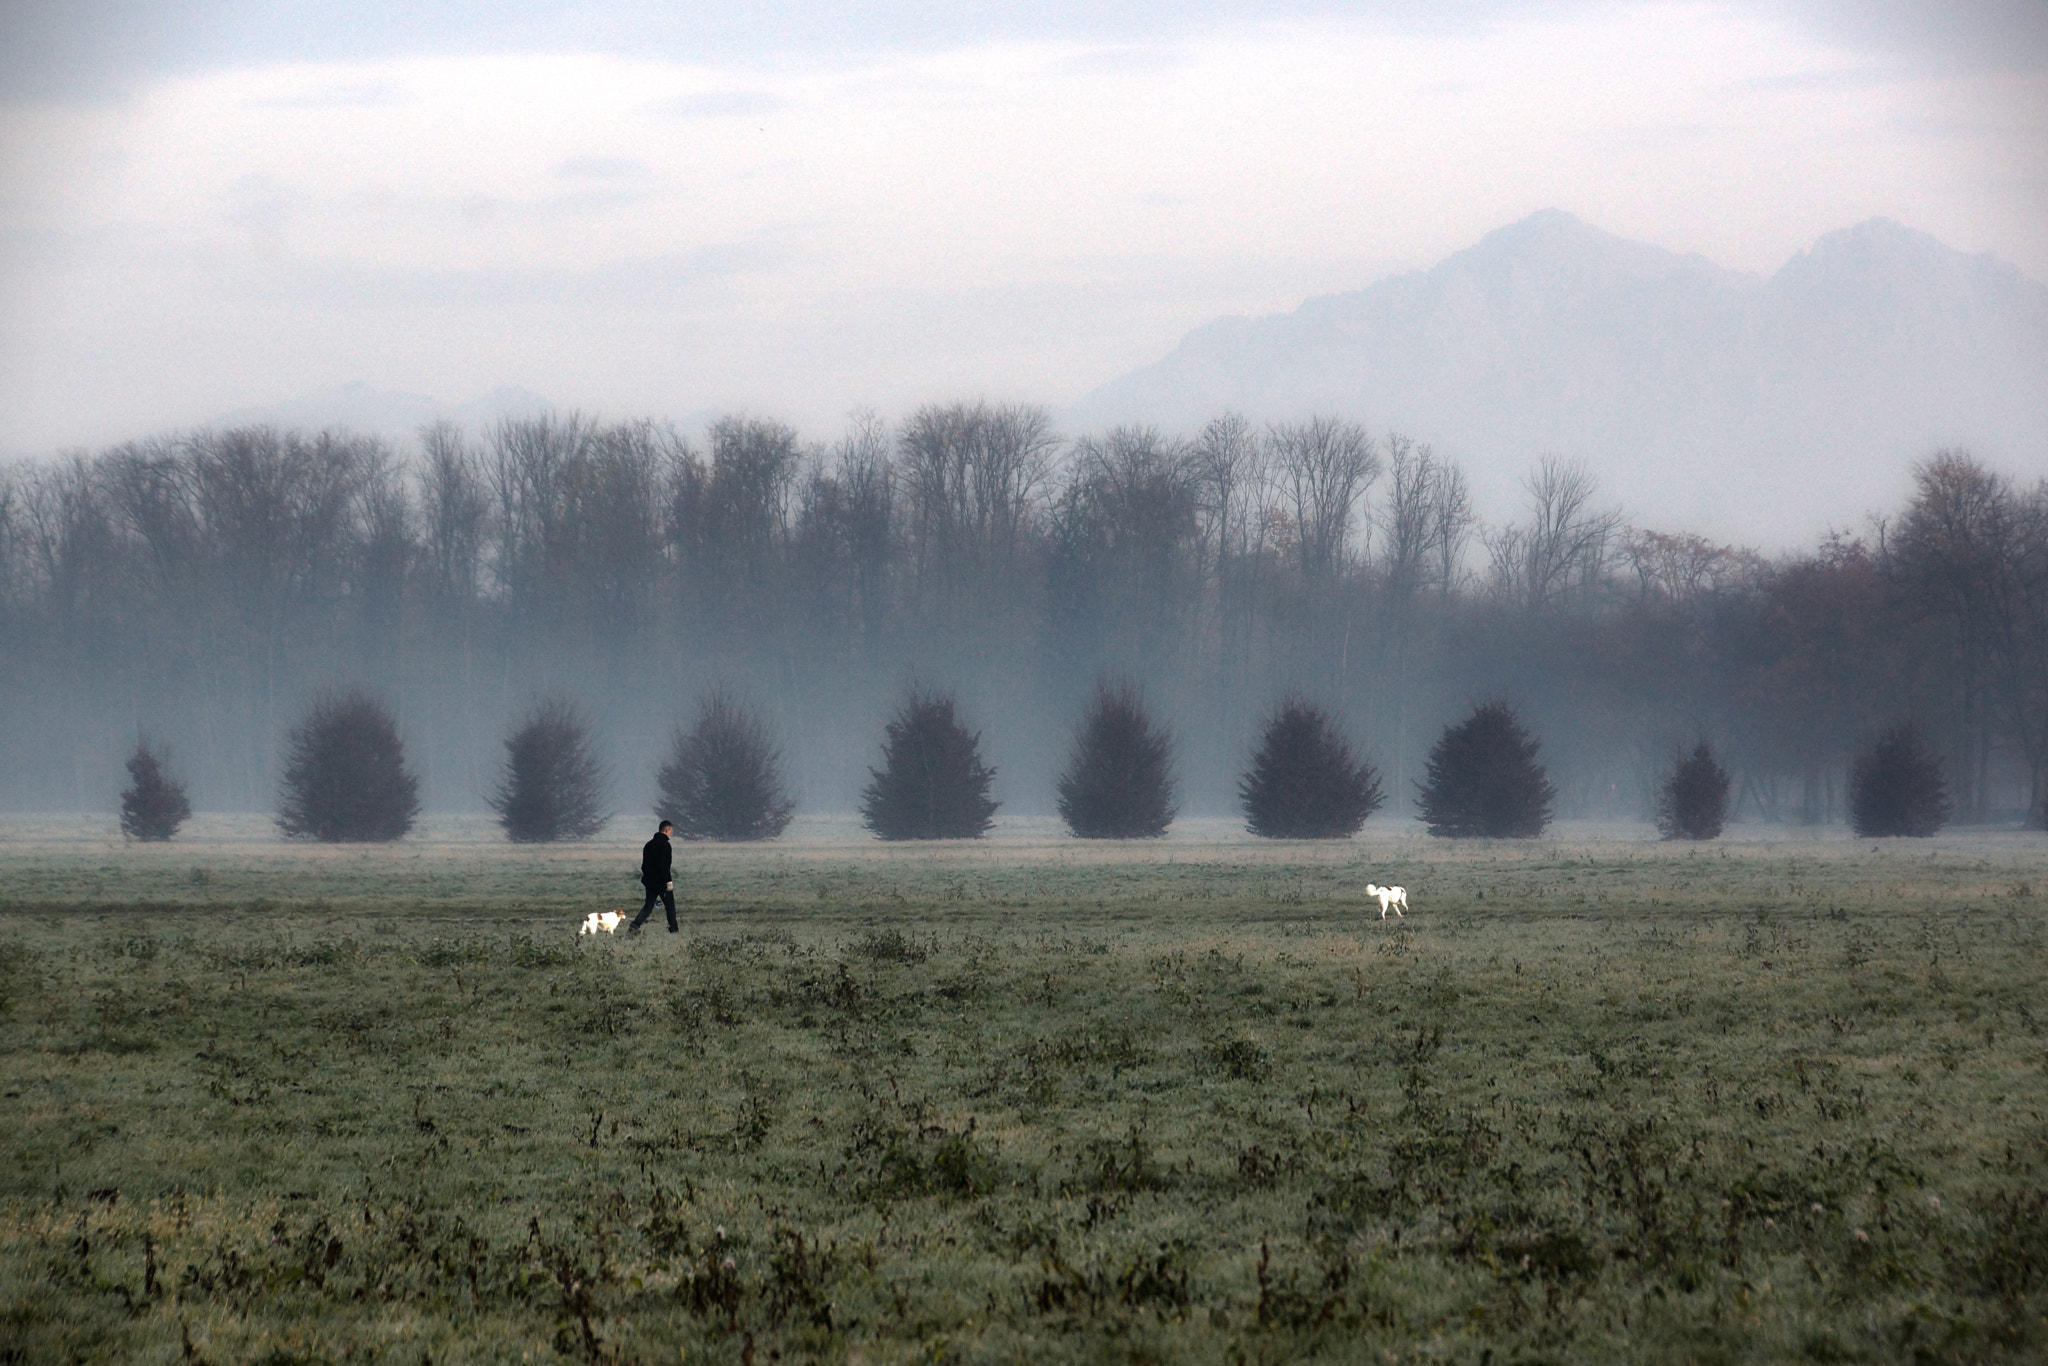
<point>1120,61</point>
<point>693,278</point>
<point>101,50</point>
<point>725,104</point>
<point>345,95</point>
<point>1842,78</point>
<point>1957,35</point>
<point>1660,137</point>
<point>602,168</point>
<point>1941,129</point>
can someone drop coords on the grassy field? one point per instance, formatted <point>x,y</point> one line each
<point>1595,1099</point>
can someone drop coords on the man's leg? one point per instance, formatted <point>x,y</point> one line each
<point>647,910</point>
<point>668,903</point>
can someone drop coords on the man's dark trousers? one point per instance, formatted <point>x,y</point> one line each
<point>668,903</point>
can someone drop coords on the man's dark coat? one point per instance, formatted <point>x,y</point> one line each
<point>657,863</point>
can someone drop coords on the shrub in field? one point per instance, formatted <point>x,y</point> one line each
<point>1897,787</point>
<point>1693,802</point>
<point>1118,782</point>
<point>552,786</point>
<point>1304,782</point>
<point>155,806</point>
<point>932,784</point>
<point>344,775</point>
<point>723,779</point>
<point>1483,779</point>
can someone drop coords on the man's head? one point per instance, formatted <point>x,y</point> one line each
<point>664,828</point>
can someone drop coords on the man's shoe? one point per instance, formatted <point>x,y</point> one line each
<point>632,930</point>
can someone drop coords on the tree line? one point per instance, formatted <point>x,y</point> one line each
<point>347,778</point>
<point>202,587</point>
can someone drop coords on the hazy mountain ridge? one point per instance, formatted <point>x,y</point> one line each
<point>392,414</point>
<point>1705,398</point>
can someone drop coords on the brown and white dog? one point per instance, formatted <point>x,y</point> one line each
<point>609,922</point>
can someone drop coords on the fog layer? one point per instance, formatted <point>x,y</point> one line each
<point>202,588</point>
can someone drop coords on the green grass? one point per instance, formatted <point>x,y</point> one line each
<point>1594,1100</point>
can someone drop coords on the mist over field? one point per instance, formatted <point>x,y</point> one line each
<point>202,590</point>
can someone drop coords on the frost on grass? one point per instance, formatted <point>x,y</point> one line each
<point>1051,1111</point>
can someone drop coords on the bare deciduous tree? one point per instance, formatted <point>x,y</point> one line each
<point>868,491</point>
<point>454,513</point>
<point>1123,555</point>
<point>1451,522</point>
<point>1230,464</point>
<point>974,474</point>
<point>1323,468</point>
<point>1424,521</point>
<point>1957,560</point>
<point>1564,546</point>
<point>1680,570</point>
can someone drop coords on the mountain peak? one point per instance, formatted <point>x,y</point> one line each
<point>1545,233</point>
<point>1887,234</point>
<point>1901,263</point>
<point>1553,242</point>
<point>1886,244</point>
<point>1757,409</point>
<point>1545,225</point>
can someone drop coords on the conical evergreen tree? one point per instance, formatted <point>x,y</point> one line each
<point>1118,782</point>
<point>723,780</point>
<point>1897,787</point>
<point>155,806</point>
<point>1483,779</point>
<point>344,775</point>
<point>552,786</point>
<point>1693,802</point>
<point>932,784</point>
<point>1304,782</point>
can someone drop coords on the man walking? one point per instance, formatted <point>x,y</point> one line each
<point>657,874</point>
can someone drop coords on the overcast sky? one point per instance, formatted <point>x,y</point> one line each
<point>802,208</point>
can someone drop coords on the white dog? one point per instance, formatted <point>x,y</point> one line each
<point>609,922</point>
<point>1397,897</point>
